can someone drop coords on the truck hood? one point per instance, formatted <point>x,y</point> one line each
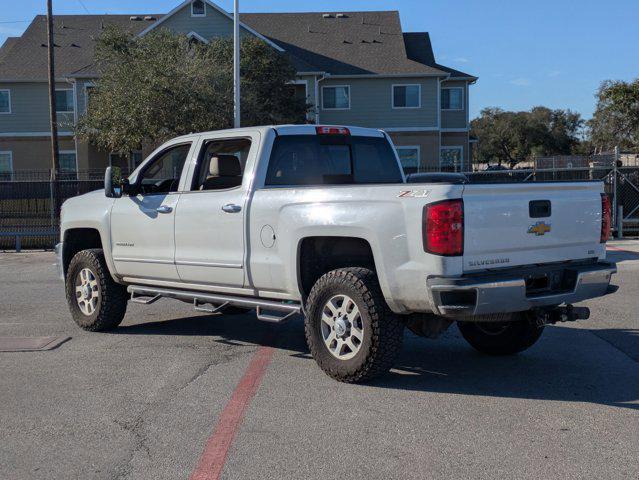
<point>85,209</point>
<point>95,197</point>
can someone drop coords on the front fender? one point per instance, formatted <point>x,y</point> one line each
<point>91,211</point>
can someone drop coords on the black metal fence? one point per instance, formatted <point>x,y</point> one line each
<point>28,219</point>
<point>27,210</point>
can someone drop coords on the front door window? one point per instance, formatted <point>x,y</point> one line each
<point>162,174</point>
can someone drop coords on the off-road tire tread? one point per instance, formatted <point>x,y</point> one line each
<point>387,328</point>
<point>114,296</point>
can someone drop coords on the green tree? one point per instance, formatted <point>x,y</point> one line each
<point>616,119</point>
<point>513,137</point>
<point>162,85</point>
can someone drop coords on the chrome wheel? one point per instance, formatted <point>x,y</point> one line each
<point>87,291</point>
<point>342,327</point>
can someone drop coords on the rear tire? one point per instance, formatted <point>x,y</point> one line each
<point>502,338</point>
<point>351,333</point>
<point>96,302</point>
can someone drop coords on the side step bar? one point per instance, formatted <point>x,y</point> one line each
<point>147,295</point>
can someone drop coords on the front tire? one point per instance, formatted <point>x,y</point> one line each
<point>96,302</point>
<point>502,338</point>
<point>351,333</point>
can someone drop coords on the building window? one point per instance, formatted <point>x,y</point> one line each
<point>336,98</point>
<point>409,158</point>
<point>6,165</point>
<point>407,96</point>
<point>453,98</point>
<point>198,8</point>
<point>64,101</point>
<point>451,159</point>
<point>67,162</point>
<point>298,89</point>
<point>5,101</point>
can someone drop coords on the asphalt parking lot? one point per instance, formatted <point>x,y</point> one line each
<point>174,394</point>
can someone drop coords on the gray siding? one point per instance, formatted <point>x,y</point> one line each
<point>30,109</point>
<point>371,104</point>
<point>215,24</point>
<point>456,118</point>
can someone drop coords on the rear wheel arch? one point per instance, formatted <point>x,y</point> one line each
<point>318,255</point>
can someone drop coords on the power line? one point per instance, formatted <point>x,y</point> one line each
<point>84,6</point>
<point>18,21</point>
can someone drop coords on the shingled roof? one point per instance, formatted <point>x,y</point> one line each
<point>74,40</point>
<point>420,49</point>
<point>344,43</point>
<point>351,43</point>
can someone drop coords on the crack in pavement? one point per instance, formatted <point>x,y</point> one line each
<point>135,427</point>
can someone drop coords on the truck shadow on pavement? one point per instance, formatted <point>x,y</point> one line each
<point>619,256</point>
<point>567,364</point>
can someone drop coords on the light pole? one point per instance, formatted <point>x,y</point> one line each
<point>236,63</point>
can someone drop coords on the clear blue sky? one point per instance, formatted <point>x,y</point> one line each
<point>526,53</point>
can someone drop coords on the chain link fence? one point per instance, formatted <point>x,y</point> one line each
<point>28,198</point>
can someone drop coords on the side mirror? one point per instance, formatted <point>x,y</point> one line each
<point>112,188</point>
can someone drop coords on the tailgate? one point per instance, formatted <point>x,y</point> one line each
<point>526,224</point>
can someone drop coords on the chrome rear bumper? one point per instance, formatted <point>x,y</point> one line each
<point>507,292</point>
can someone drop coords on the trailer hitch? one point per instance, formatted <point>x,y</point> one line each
<point>569,313</point>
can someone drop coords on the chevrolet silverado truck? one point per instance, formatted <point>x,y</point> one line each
<point>321,221</point>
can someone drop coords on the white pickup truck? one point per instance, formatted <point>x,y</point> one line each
<point>321,221</point>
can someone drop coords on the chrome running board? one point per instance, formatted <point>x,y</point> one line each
<point>146,295</point>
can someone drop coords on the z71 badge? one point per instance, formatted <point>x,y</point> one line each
<point>414,193</point>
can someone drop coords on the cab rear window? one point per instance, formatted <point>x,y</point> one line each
<point>331,160</point>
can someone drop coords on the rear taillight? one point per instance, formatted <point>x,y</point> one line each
<point>605,218</point>
<point>332,131</point>
<point>443,228</point>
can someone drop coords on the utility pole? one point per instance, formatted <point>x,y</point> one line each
<point>55,158</point>
<point>236,64</point>
<point>52,108</point>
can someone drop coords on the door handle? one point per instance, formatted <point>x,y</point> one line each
<point>164,209</point>
<point>231,208</point>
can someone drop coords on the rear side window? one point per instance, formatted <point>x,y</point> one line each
<point>331,160</point>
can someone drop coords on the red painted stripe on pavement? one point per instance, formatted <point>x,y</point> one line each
<point>616,249</point>
<point>217,447</point>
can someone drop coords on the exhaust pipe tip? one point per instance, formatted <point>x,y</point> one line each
<point>579,313</point>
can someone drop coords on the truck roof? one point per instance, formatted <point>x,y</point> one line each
<point>294,130</point>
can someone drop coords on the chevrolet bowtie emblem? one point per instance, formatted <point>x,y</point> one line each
<point>539,229</point>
